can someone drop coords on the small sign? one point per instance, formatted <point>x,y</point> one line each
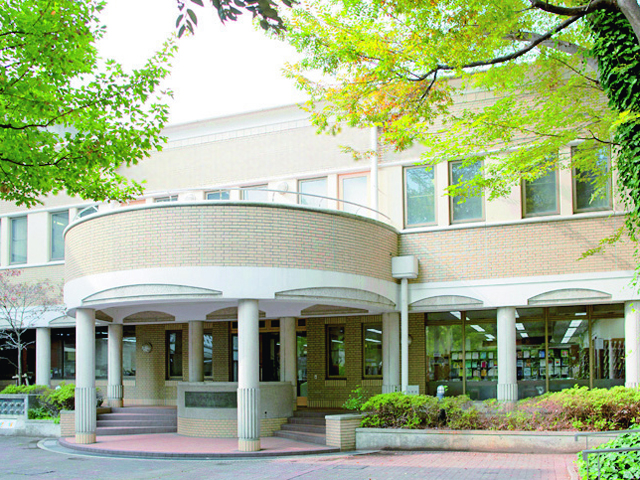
<point>7,423</point>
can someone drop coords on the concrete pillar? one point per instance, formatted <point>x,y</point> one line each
<point>43,356</point>
<point>632,343</point>
<point>196,351</point>
<point>85,375</point>
<point>507,373</point>
<point>248,376</point>
<point>115,392</point>
<point>404,332</point>
<point>390,352</point>
<point>288,354</point>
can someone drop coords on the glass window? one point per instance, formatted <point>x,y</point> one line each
<point>314,186</point>
<point>218,195</point>
<point>588,194</point>
<point>19,240</point>
<point>354,190</point>
<point>541,194</point>
<point>255,194</point>
<point>63,353</point>
<point>420,199</point>
<point>531,361</point>
<point>335,350</point>
<point>170,198</point>
<point>470,208</point>
<point>234,356</point>
<point>208,354</point>
<point>301,350</point>
<point>129,351</point>
<point>481,352</point>
<point>568,361</point>
<point>102,352</point>
<point>174,354</point>
<point>445,362</point>
<point>59,222</point>
<point>372,338</point>
<point>608,352</point>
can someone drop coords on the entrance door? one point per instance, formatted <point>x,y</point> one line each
<point>270,357</point>
<point>301,349</point>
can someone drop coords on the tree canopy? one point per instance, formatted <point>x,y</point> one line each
<point>509,82</point>
<point>68,120</point>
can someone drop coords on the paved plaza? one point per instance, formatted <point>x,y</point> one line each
<point>21,458</point>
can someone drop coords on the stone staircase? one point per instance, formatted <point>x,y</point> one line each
<point>307,425</point>
<point>137,420</point>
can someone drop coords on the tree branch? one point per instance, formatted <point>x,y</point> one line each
<point>581,10</point>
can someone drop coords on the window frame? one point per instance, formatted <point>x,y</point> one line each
<point>523,190</point>
<point>166,199</point>
<point>452,200</point>
<point>249,188</point>
<point>219,192</point>
<point>328,351</point>
<point>365,326</point>
<point>168,375</point>
<point>406,198</point>
<point>322,201</point>
<point>52,258</point>
<point>574,184</point>
<point>12,240</point>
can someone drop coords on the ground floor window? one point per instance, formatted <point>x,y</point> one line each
<point>129,351</point>
<point>335,351</point>
<point>174,354</point>
<point>208,354</point>
<point>372,349</point>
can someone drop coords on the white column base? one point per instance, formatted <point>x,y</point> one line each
<point>631,384</point>
<point>507,392</point>
<point>85,414</point>
<point>115,395</point>
<point>248,420</point>
<point>390,388</point>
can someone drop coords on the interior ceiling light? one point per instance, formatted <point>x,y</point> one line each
<point>477,328</point>
<point>580,314</point>
<point>575,323</point>
<point>519,326</point>
<point>524,334</point>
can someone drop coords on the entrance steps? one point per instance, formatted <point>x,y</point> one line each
<point>137,420</point>
<point>307,425</point>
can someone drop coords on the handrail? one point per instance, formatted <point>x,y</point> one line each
<point>358,206</point>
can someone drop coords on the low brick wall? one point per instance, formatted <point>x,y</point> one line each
<point>224,428</point>
<point>341,430</point>
<point>67,423</point>
<point>472,440</point>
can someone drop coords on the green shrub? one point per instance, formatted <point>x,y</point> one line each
<point>460,413</point>
<point>614,466</point>
<point>62,398</point>
<point>39,413</point>
<point>397,410</point>
<point>356,399</point>
<point>24,389</point>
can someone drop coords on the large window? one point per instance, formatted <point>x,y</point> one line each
<point>174,354</point>
<point>420,198</point>
<point>63,353</point>
<point>353,189</point>
<point>465,208</point>
<point>208,354</point>
<point>102,352</point>
<point>18,240</point>
<point>255,193</point>
<point>59,222</point>
<point>372,339</point>
<point>129,351</point>
<point>218,195</point>
<point>590,192</point>
<point>336,352</point>
<point>540,196</point>
<point>314,186</point>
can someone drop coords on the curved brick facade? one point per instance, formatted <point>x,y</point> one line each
<point>232,234</point>
<point>517,250</point>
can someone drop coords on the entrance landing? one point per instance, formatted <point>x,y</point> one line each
<point>174,446</point>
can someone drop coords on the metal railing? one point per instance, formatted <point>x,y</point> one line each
<point>356,207</point>
<point>599,451</point>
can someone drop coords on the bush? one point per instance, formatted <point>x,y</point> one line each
<point>62,398</point>
<point>25,389</point>
<point>356,399</point>
<point>39,413</point>
<point>614,466</point>
<point>397,410</point>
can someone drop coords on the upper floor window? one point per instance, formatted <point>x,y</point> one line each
<point>540,196</point>
<point>255,193</point>
<point>353,189</point>
<point>170,198</point>
<point>589,192</point>
<point>59,222</point>
<point>18,247</point>
<point>313,186</point>
<point>218,195</point>
<point>419,196</point>
<point>465,208</point>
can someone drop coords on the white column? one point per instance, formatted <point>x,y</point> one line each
<point>114,387</point>
<point>43,356</point>
<point>507,374</point>
<point>85,375</point>
<point>404,332</point>
<point>390,352</point>
<point>248,376</point>
<point>196,351</point>
<point>632,343</point>
<point>288,354</point>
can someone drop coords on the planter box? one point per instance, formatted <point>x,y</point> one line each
<point>472,440</point>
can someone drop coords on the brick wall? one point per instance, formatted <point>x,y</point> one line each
<point>230,235</point>
<point>520,250</point>
<point>202,427</point>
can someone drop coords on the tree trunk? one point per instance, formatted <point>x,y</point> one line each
<point>19,365</point>
<point>631,10</point>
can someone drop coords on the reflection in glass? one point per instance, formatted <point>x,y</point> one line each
<point>335,347</point>
<point>420,196</point>
<point>372,349</point>
<point>470,207</point>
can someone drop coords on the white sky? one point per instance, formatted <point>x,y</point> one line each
<point>221,70</point>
